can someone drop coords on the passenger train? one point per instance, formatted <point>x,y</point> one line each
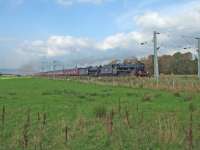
<point>137,69</point>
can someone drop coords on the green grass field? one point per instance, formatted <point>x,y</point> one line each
<point>41,114</point>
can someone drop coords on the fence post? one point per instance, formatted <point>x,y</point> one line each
<point>3,115</point>
<point>173,84</point>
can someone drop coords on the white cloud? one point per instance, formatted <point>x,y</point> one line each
<point>55,46</point>
<point>187,19</point>
<point>63,45</point>
<point>171,22</point>
<point>179,16</point>
<point>154,20</point>
<point>122,40</point>
<point>82,51</point>
<point>70,2</point>
<point>92,1</point>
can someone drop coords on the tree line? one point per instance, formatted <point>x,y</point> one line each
<point>178,63</point>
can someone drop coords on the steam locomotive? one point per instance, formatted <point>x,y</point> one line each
<point>137,69</point>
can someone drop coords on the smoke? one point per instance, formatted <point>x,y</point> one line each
<point>29,68</point>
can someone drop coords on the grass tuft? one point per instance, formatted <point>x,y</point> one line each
<point>147,98</point>
<point>100,111</point>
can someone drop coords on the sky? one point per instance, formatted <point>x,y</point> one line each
<point>87,32</point>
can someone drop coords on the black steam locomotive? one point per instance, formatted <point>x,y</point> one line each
<point>114,70</point>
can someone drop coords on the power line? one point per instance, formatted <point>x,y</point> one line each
<point>189,46</point>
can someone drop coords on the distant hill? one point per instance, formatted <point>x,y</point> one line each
<point>9,71</point>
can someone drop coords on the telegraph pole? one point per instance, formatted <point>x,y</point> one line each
<point>198,52</point>
<point>54,69</point>
<point>156,69</point>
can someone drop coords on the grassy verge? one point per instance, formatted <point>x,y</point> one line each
<point>56,114</point>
